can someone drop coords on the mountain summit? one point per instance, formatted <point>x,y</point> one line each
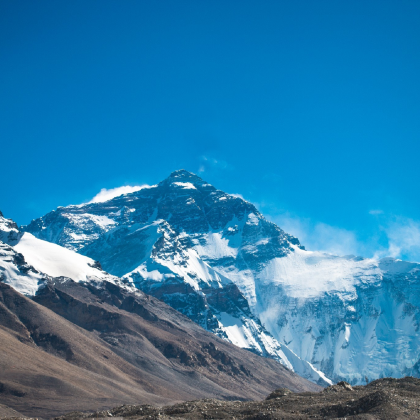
<point>184,176</point>
<point>165,240</point>
<point>214,257</point>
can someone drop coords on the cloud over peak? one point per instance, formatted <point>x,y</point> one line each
<point>105,194</point>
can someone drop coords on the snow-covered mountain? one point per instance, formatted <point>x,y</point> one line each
<point>215,258</point>
<point>235,323</point>
<point>26,262</point>
<point>157,256</point>
<point>101,342</point>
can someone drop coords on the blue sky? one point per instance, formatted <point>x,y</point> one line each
<point>310,109</point>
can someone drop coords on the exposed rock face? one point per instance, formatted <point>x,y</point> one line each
<point>9,231</point>
<point>279,393</point>
<point>206,252</point>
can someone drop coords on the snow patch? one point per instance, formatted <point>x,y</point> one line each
<point>234,329</point>
<point>103,221</point>
<point>27,282</point>
<point>55,260</point>
<point>252,219</point>
<point>307,274</point>
<point>214,246</point>
<point>185,185</point>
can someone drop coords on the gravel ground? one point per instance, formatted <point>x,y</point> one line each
<point>382,399</point>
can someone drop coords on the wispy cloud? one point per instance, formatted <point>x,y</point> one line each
<point>396,236</point>
<point>238,195</point>
<point>105,194</point>
<point>320,236</point>
<point>403,235</point>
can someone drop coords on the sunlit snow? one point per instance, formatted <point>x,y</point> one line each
<point>105,194</point>
<point>185,185</point>
<point>55,260</point>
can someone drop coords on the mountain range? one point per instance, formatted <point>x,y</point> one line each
<point>215,258</point>
<point>96,342</point>
<point>180,291</point>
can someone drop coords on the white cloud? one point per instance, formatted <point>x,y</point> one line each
<point>403,239</point>
<point>105,194</point>
<point>376,212</point>
<point>400,237</point>
<point>320,236</point>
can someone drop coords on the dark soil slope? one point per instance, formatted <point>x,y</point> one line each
<point>96,346</point>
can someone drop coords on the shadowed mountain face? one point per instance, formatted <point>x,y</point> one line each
<point>87,346</point>
<point>216,259</point>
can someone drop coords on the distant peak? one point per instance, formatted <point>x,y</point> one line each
<point>184,176</point>
<point>182,173</point>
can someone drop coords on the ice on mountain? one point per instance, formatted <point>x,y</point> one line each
<point>184,185</point>
<point>17,273</point>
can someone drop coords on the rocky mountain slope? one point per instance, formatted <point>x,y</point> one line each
<point>215,258</point>
<point>96,344</point>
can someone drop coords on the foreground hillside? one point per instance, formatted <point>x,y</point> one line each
<point>97,345</point>
<point>384,399</point>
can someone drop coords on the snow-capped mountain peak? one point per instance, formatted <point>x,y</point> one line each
<point>214,257</point>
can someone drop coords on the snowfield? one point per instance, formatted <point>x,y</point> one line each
<point>16,274</point>
<point>57,261</point>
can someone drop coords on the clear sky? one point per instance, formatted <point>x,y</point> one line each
<point>310,109</point>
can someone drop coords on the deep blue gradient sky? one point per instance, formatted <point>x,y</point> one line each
<point>311,109</point>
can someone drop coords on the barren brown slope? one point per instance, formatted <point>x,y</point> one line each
<point>7,412</point>
<point>82,348</point>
